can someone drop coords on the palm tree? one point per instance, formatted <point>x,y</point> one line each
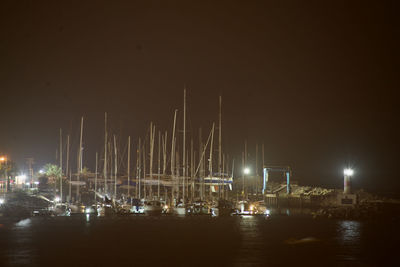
<point>54,173</point>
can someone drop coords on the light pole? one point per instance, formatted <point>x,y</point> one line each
<point>246,171</point>
<point>348,173</point>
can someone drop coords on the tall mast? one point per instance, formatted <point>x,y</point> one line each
<point>223,180</point>
<point>165,159</point>
<point>95,180</point>
<point>115,168</point>
<point>173,149</point>
<point>61,151</point>
<point>67,167</point>
<point>220,145</point>
<point>191,168</point>
<point>105,153</point>
<point>144,168</point>
<point>151,147</point>
<point>165,153</point>
<point>177,173</point>
<point>138,184</point>
<point>201,165</point>
<point>80,159</point>
<point>245,157</point>
<point>159,162</point>
<point>129,162</point>
<point>61,166</point>
<point>184,145</point>
<point>210,159</point>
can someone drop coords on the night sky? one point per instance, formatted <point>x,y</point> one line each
<point>315,82</point>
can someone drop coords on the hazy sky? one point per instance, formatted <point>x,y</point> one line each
<point>315,81</point>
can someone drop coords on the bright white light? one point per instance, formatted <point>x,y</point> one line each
<point>36,183</point>
<point>246,171</point>
<point>41,171</point>
<point>57,199</point>
<point>348,172</point>
<point>88,210</point>
<point>2,201</point>
<point>28,184</point>
<point>251,207</point>
<point>267,212</point>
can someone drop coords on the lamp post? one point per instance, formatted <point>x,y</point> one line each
<point>246,171</point>
<point>348,173</point>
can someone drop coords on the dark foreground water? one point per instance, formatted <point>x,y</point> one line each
<point>197,241</point>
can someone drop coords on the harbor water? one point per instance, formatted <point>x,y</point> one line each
<point>296,240</point>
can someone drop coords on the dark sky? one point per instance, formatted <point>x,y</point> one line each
<point>315,81</point>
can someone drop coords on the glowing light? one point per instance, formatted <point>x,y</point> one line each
<point>88,210</point>
<point>348,172</point>
<point>2,201</point>
<point>267,212</point>
<point>251,207</point>
<point>246,171</point>
<point>28,184</point>
<point>41,171</point>
<point>36,183</point>
<point>2,158</point>
<point>57,199</point>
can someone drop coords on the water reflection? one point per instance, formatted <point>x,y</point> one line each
<point>19,249</point>
<point>23,223</point>
<point>349,232</point>
<point>250,252</point>
<point>348,235</point>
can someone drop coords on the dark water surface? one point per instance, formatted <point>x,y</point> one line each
<point>197,241</point>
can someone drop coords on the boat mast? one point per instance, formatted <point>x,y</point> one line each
<point>165,158</point>
<point>191,168</point>
<point>245,164</point>
<point>138,171</point>
<point>223,174</point>
<point>144,168</point>
<point>173,151</point>
<point>95,181</point>
<point>67,168</point>
<point>115,168</point>
<point>105,153</point>
<point>159,162</point>
<point>201,165</point>
<point>129,162</point>
<point>151,147</point>
<point>61,166</point>
<point>80,160</point>
<point>210,159</point>
<point>220,190</point>
<point>184,145</point>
